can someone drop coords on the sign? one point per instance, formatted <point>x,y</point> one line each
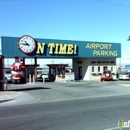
<point>102,49</point>
<point>69,76</point>
<point>57,48</point>
<point>127,66</point>
<point>26,46</point>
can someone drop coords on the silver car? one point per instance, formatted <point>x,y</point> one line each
<point>124,76</point>
<point>8,75</point>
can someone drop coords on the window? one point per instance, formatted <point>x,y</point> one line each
<point>112,62</point>
<point>107,71</point>
<point>98,69</point>
<point>93,62</point>
<point>112,68</point>
<point>93,69</point>
<point>105,62</point>
<point>99,62</point>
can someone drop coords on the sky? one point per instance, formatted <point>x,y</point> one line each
<point>84,20</point>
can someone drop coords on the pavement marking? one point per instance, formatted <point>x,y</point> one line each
<point>114,128</point>
<point>125,85</point>
<point>104,82</point>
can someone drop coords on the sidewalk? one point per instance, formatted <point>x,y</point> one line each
<point>9,96</point>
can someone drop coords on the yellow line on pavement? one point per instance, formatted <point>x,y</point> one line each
<point>125,85</point>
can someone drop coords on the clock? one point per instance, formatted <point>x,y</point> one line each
<point>27,44</point>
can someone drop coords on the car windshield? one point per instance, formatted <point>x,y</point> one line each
<point>8,71</point>
<point>105,72</point>
<point>124,73</point>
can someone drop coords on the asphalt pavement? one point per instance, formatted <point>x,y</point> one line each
<point>53,92</point>
<point>80,114</point>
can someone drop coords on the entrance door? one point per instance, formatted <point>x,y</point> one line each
<point>80,72</point>
<point>52,73</point>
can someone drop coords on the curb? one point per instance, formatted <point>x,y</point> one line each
<point>9,96</point>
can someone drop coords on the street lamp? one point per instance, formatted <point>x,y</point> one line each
<point>128,39</point>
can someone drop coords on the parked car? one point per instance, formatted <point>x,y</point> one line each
<point>39,76</point>
<point>124,76</point>
<point>8,75</point>
<point>107,75</point>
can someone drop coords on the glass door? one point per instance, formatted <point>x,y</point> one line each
<point>30,72</point>
<point>80,72</point>
<point>52,73</point>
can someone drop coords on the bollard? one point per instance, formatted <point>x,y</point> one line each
<point>33,79</point>
<point>43,79</point>
<point>99,79</point>
<point>29,78</point>
<point>6,83</point>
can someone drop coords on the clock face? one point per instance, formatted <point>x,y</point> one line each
<point>27,44</point>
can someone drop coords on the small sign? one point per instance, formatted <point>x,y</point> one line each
<point>70,76</point>
<point>127,66</point>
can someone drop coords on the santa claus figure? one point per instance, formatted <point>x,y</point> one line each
<point>17,70</point>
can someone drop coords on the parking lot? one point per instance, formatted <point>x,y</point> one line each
<point>52,91</point>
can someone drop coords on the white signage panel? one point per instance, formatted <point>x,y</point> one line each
<point>70,76</point>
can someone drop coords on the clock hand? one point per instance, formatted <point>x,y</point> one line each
<point>26,43</point>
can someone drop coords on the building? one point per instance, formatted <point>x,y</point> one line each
<point>89,58</point>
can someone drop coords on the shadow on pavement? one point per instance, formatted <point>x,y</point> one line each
<point>2,101</point>
<point>28,89</point>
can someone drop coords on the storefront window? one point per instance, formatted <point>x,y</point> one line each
<point>112,68</point>
<point>93,69</point>
<point>61,71</point>
<point>98,69</point>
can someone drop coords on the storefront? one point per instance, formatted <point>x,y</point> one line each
<point>89,58</point>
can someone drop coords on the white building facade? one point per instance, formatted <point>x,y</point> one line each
<point>92,68</point>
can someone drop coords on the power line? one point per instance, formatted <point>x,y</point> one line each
<point>113,3</point>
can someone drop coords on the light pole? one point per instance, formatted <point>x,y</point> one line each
<point>128,39</point>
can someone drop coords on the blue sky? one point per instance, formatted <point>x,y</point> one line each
<point>84,20</point>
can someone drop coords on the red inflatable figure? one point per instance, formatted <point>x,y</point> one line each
<point>17,70</point>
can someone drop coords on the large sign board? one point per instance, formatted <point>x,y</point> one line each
<point>127,66</point>
<point>27,46</point>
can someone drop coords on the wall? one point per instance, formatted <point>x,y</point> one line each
<point>88,63</point>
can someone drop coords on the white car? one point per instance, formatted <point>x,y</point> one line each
<point>124,75</point>
<point>8,75</point>
<point>40,76</point>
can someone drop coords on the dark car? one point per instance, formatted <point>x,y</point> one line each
<point>107,75</point>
